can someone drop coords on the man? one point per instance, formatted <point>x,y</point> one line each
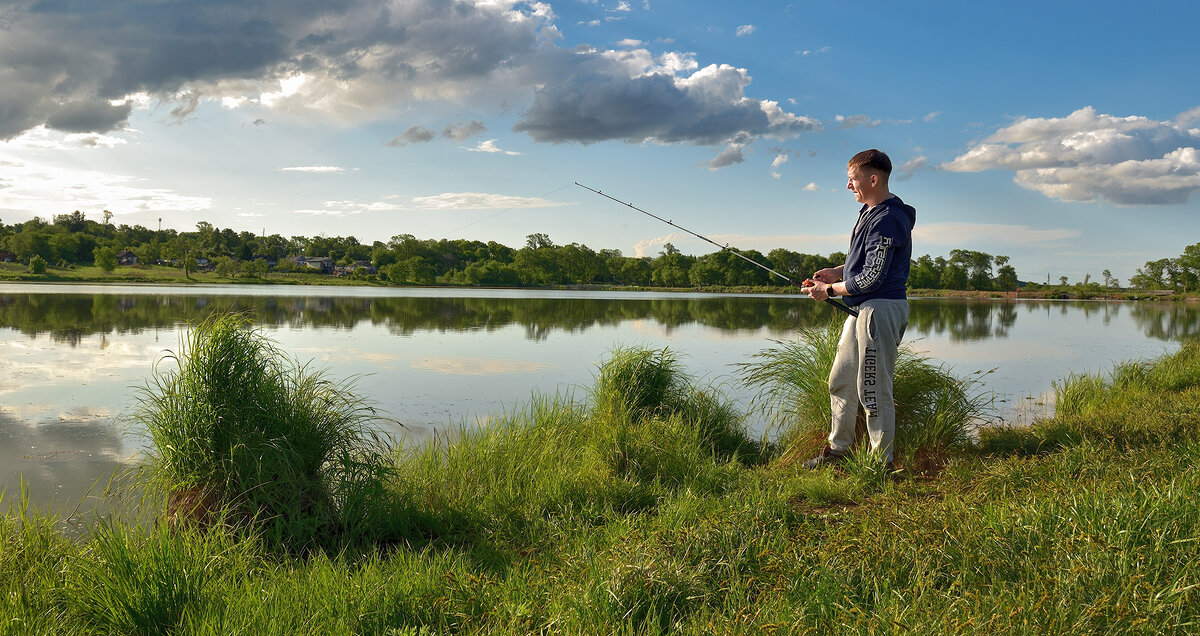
<point>874,279</point>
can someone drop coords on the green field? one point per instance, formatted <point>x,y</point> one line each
<point>642,509</point>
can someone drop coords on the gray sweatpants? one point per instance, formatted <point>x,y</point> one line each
<point>862,373</point>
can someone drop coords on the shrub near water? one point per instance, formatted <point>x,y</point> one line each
<point>240,429</point>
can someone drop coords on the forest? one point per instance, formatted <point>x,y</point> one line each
<point>73,240</point>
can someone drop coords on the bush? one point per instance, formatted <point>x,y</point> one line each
<point>105,258</point>
<point>240,430</point>
<point>37,264</point>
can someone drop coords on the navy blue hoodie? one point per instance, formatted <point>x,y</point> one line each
<point>880,251</point>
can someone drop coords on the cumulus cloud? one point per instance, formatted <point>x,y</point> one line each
<point>745,29</point>
<point>634,97</point>
<point>414,135</point>
<point>812,187</point>
<point>82,67</point>
<point>69,65</point>
<point>458,131</point>
<point>490,146</point>
<point>909,168</point>
<point>1090,156</point>
<point>780,159</point>
<point>728,157</point>
<point>479,201</point>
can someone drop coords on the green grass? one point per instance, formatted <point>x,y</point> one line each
<point>626,513</point>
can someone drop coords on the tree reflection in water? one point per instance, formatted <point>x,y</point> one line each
<point>68,318</point>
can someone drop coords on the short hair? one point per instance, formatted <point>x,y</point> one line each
<point>873,159</point>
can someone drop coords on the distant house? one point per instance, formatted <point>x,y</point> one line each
<point>203,263</point>
<point>7,257</point>
<point>125,257</point>
<point>361,266</point>
<point>322,263</point>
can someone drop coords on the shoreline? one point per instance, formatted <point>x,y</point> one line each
<point>156,275</point>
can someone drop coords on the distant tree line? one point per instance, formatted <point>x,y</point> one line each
<point>72,239</point>
<point>1179,274</point>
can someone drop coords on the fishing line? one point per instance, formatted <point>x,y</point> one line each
<point>836,302</point>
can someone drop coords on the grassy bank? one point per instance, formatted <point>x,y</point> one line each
<point>643,508</point>
<point>160,275</point>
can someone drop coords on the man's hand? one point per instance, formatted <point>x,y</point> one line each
<point>817,290</point>
<point>829,275</point>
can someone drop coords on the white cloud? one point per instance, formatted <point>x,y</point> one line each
<point>909,168</point>
<point>349,208</point>
<point>959,234</point>
<point>812,187</point>
<point>479,201</point>
<point>1087,156</point>
<point>780,159</point>
<point>623,6</point>
<point>489,146</point>
<point>745,29</point>
<point>50,184</point>
<point>823,49</point>
<point>315,169</point>
<point>728,157</point>
<point>629,43</point>
<point>856,121</point>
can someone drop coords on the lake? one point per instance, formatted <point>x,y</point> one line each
<point>72,357</point>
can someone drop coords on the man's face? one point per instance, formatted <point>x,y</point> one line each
<point>859,181</point>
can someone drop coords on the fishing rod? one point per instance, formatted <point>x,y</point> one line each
<point>839,304</point>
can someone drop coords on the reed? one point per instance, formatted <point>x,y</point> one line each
<point>240,429</point>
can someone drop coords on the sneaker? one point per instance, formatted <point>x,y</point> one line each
<point>825,458</point>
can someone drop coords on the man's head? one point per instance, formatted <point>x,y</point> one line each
<point>867,176</point>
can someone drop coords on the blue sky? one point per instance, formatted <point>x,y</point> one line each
<point>1065,135</point>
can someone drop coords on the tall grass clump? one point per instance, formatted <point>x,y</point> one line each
<point>637,388</point>
<point>936,411</point>
<point>241,430</point>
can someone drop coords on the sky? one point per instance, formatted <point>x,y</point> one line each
<point>1065,135</point>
